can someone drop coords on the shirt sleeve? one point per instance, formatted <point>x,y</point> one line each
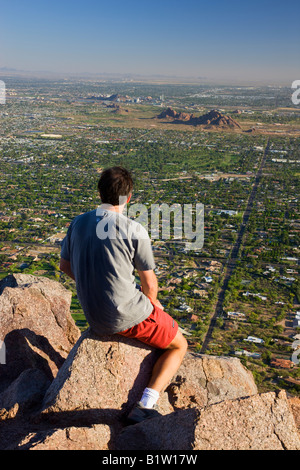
<point>65,245</point>
<point>143,256</point>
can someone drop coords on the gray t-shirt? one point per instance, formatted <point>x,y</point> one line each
<point>104,248</point>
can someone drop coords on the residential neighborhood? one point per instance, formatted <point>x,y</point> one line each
<point>239,294</point>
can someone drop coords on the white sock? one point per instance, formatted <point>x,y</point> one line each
<point>149,397</point>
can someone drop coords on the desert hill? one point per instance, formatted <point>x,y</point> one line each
<point>211,119</point>
<point>66,390</point>
<point>117,109</point>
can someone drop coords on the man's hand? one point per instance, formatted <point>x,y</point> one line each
<point>158,304</point>
<point>65,266</point>
<point>150,286</point>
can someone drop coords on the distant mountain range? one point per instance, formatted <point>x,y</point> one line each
<point>115,97</point>
<point>211,119</point>
<point>113,76</point>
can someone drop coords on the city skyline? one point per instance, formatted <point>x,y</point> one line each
<point>221,42</point>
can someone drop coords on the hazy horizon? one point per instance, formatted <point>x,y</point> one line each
<point>6,72</point>
<point>228,42</point>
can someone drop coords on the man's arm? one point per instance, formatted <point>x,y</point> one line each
<point>65,266</point>
<point>150,286</point>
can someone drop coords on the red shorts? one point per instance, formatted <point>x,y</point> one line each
<point>158,330</point>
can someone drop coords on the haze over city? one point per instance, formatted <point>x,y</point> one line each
<point>219,41</point>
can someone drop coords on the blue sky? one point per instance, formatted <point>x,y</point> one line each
<point>242,40</point>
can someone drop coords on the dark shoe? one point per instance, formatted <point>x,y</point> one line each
<point>139,414</point>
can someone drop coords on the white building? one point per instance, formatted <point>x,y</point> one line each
<point>236,314</point>
<point>296,323</point>
<point>253,339</point>
<point>244,352</point>
<point>248,294</point>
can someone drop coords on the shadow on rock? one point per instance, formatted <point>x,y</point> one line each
<point>24,350</point>
<point>175,431</point>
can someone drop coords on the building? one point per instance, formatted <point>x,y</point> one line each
<point>248,294</point>
<point>296,322</point>
<point>244,352</point>
<point>236,315</point>
<point>253,339</point>
<point>227,211</point>
<point>282,363</point>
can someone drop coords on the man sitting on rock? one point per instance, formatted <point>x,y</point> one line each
<point>100,252</point>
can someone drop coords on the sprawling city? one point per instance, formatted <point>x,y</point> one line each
<point>150,228</point>
<point>234,149</point>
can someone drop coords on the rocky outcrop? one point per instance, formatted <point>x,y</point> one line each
<point>259,422</point>
<point>211,403</point>
<point>216,119</point>
<point>110,374</point>
<point>209,120</point>
<point>35,325</point>
<point>168,113</point>
<point>117,109</point>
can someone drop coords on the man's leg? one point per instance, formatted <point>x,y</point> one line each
<point>168,363</point>
<point>164,369</point>
<point>157,330</point>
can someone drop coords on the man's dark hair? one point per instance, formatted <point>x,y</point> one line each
<point>114,183</point>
